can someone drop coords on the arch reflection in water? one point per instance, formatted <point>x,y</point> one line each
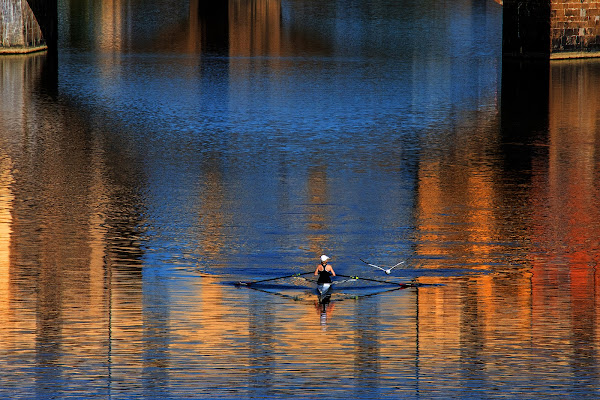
<point>110,210</point>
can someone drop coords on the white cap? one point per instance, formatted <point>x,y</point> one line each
<point>324,258</point>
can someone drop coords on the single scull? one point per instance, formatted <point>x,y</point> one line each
<point>324,290</point>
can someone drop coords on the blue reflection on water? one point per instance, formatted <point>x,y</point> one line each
<point>246,162</point>
<point>361,110</point>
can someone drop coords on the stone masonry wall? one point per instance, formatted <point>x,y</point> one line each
<point>551,28</point>
<point>574,28</point>
<point>18,25</point>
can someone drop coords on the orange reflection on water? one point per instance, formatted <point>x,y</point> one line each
<point>317,212</point>
<point>555,307</point>
<point>214,222</point>
<point>10,317</point>
<point>565,282</point>
<point>112,26</point>
<point>457,206</point>
<point>67,295</point>
<point>254,28</point>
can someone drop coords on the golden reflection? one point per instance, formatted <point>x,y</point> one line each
<point>324,310</point>
<point>429,206</point>
<point>64,296</point>
<point>456,204</point>
<point>573,159</point>
<point>17,310</point>
<point>459,220</point>
<point>6,203</point>
<point>466,320</point>
<point>212,218</point>
<point>210,323</point>
<point>254,27</point>
<point>97,231</point>
<point>565,281</point>
<point>193,38</point>
<point>111,24</point>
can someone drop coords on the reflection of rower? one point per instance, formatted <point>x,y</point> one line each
<point>325,272</point>
<point>324,308</point>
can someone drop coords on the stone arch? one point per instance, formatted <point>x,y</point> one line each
<point>46,13</point>
<point>27,25</point>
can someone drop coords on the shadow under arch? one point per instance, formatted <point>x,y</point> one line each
<point>46,14</point>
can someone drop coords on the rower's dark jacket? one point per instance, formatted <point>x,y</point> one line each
<point>324,276</point>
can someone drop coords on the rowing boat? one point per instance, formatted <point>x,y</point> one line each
<point>324,291</point>
<point>323,288</point>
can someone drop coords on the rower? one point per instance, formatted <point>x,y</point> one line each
<point>324,270</point>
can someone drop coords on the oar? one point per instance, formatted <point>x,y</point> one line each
<point>258,289</point>
<point>274,279</point>
<point>351,278</point>
<point>374,280</point>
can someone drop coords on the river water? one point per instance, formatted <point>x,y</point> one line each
<point>171,149</point>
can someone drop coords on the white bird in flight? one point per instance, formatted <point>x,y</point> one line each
<point>387,271</point>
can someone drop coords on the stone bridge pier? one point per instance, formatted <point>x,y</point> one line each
<point>552,29</point>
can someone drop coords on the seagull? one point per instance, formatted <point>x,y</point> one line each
<point>387,271</point>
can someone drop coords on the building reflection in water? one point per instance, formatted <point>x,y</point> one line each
<point>317,213</point>
<point>548,168</point>
<point>566,215</point>
<point>71,275</point>
<point>72,286</point>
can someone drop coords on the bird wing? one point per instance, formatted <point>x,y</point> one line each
<point>372,265</point>
<point>400,263</point>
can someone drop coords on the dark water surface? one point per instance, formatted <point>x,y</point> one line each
<point>172,148</point>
